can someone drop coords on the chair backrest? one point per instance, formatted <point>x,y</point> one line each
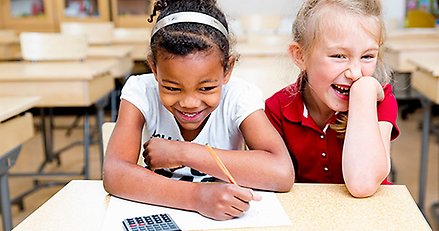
<point>38,46</point>
<point>420,18</point>
<point>107,129</point>
<point>97,33</point>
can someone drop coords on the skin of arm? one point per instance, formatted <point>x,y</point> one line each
<point>122,177</point>
<point>366,151</point>
<point>267,165</point>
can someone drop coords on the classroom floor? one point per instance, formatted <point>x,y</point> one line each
<point>405,158</point>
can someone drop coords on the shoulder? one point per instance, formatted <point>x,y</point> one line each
<point>141,80</point>
<point>283,97</point>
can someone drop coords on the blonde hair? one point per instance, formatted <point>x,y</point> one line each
<point>307,32</point>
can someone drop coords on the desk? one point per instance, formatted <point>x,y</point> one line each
<point>117,52</point>
<point>81,205</point>
<point>61,84</point>
<point>123,68</point>
<point>398,51</point>
<point>426,81</point>
<point>14,131</point>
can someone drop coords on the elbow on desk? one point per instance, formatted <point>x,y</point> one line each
<point>285,180</point>
<point>362,189</point>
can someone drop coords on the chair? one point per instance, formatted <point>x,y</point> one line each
<point>37,46</point>
<point>107,130</point>
<point>419,18</point>
<point>99,33</point>
<point>99,37</point>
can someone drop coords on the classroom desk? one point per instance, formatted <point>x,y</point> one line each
<point>81,205</point>
<point>125,63</point>
<point>14,131</point>
<point>61,84</point>
<point>398,51</point>
<point>425,80</point>
<point>120,53</point>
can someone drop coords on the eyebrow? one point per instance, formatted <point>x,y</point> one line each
<point>176,83</point>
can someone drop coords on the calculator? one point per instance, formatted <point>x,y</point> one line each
<point>154,222</point>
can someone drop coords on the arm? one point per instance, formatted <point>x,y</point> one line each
<point>124,178</point>
<point>366,151</point>
<point>267,165</point>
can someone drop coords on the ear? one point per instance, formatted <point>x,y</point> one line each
<point>229,69</point>
<point>152,65</point>
<point>298,55</point>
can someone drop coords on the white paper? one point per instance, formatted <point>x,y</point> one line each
<point>267,212</point>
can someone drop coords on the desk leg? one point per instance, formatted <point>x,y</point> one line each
<point>47,135</point>
<point>86,145</point>
<point>99,121</point>
<point>426,104</point>
<point>7,161</point>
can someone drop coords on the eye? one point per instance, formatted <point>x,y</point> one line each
<point>206,89</point>
<point>368,57</point>
<point>338,56</point>
<point>171,88</point>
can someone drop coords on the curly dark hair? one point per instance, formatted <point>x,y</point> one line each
<point>182,39</point>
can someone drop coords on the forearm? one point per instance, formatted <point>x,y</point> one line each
<point>131,181</point>
<point>250,168</point>
<point>365,159</point>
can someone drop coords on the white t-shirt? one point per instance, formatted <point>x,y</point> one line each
<point>239,100</point>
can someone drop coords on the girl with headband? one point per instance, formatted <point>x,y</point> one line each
<point>187,102</point>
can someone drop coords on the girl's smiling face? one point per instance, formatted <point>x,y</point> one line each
<point>346,50</point>
<point>190,87</point>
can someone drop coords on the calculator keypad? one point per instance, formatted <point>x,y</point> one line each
<point>157,222</point>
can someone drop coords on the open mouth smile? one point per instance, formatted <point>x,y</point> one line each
<point>344,90</point>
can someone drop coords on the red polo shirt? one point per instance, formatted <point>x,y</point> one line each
<point>316,153</point>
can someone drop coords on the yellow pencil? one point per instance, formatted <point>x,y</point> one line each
<point>221,165</point>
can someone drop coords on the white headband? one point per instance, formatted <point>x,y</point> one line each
<point>189,17</point>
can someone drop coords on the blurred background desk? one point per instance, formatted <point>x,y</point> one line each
<point>81,205</point>
<point>60,84</point>
<point>425,80</point>
<point>399,47</point>
<point>14,131</point>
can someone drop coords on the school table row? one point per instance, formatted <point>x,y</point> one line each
<point>61,84</point>
<point>82,204</point>
<point>425,79</point>
<point>15,129</point>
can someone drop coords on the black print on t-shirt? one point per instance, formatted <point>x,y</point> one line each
<point>155,134</point>
<point>169,173</point>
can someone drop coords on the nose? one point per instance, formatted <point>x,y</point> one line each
<point>190,101</point>
<point>354,71</point>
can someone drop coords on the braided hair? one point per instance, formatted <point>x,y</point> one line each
<point>186,38</point>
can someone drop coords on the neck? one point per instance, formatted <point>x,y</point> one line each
<point>316,108</point>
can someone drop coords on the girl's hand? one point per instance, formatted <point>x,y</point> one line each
<point>223,201</point>
<point>368,85</point>
<point>162,153</point>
